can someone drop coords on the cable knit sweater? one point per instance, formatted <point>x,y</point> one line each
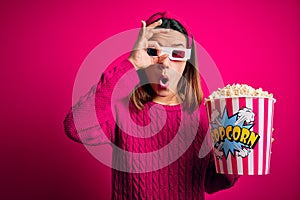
<point>162,142</point>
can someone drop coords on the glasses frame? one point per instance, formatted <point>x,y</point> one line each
<point>169,50</point>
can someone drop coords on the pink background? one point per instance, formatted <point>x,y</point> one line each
<point>44,43</point>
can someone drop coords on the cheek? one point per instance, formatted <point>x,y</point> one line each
<point>181,68</point>
<point>152,74</point>
<point>178,68</point>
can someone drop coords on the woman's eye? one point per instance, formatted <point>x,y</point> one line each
<point>151,52</point>
<point>178,54</point>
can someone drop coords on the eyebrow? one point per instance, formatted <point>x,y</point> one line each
<point>177,45</point>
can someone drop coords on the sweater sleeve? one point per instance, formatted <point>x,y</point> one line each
<point>91,120</point>
<point>215,182</point>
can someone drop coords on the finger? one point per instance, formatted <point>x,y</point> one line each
<point>155,24</point>
<point>272,140</point>
<point>160,30</point>
<point>155,45</point>
<point>272,129</point>
<point>161,58</point>
<point>143,29</point>
<point>149,32</point>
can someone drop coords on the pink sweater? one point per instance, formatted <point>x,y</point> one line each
<point>169,136</point>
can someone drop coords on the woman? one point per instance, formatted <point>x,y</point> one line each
<point>158,127</point>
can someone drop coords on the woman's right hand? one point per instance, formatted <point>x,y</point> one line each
<point>139,56</point>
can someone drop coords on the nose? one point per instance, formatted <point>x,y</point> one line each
<point>163,65</point>
<point>163,70</point>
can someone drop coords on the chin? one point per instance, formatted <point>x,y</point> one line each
<point>162,91</point>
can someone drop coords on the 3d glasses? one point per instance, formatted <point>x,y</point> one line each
<point>178,54</point>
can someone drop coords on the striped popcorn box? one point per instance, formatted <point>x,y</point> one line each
<point>241,133</point>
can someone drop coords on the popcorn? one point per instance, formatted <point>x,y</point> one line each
<point>239,90</point>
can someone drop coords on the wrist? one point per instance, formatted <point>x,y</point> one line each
<point>132,60</point>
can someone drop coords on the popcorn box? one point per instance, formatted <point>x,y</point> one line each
<point>241,134</point>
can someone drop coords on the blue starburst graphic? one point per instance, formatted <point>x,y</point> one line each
<point>228,146</point>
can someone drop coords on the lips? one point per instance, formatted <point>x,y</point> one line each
<point>164,81</point>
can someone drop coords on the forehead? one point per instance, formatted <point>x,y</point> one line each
<point>170,39</point>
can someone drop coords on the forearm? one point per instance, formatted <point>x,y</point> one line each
<point>215,182</point>
<point>91,120</point>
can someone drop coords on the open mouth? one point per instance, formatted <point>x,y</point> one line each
<point>164,81</point>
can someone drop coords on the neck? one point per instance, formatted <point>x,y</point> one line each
<point>169,100</point>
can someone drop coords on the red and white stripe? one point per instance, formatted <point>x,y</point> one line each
<point>249,162</point>
<point>258,161</point>
<point>210,106</point>
<point>236,105</point>
<point>269,134</point>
